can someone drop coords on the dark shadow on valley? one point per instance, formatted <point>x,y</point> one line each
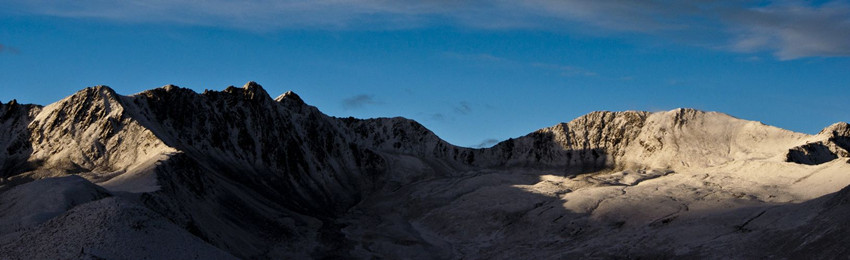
<point>481,210</point>
<point>489,212</point>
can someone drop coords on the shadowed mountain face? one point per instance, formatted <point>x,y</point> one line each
<point>14,145</point>
<point>235,173</point>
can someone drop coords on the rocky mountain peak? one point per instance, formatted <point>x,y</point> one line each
<point>102,89</point>
<point>6,110</point>
<point>837,130</point>
<point>252,85</point>
<point>687,110</point>
<point>254,90</point>
<point>831,143</point>
<point>250,91</point>
<point>100,94</point>
<point>94,131</point>
<point>98,99</point>
<point>289,96</point>
<point>631,117</point>
<point>682,116</point>
<point>170,87</point>
<point>167,92</point>
<point>13,110</point>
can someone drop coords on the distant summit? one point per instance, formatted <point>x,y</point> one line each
<point>289,95</point>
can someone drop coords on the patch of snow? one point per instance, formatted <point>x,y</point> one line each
<point>32,203</point>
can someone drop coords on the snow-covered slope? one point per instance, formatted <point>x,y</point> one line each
<point>33,203</point>
<point>110,228</point>
<point>94,133</point>
<point>256,177</point>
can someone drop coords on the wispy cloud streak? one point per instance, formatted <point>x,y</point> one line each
<point>789,29</point>
<point>463,108</point>
<point>359,101</point>
<point>8,49</point>
<point>487,143</point>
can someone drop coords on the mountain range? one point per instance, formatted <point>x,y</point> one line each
<point>170,173</point>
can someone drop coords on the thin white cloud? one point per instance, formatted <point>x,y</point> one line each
<point>787,28</point>
<point>794,30</point>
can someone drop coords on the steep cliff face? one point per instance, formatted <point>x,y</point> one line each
<point>252,170</point>
<point>289,152</point>
<point>14,143</point>
<point>400,135</point>
<point>410,151</point>
<point>591,142</point>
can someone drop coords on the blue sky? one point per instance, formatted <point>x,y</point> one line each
<point>471,71</point>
